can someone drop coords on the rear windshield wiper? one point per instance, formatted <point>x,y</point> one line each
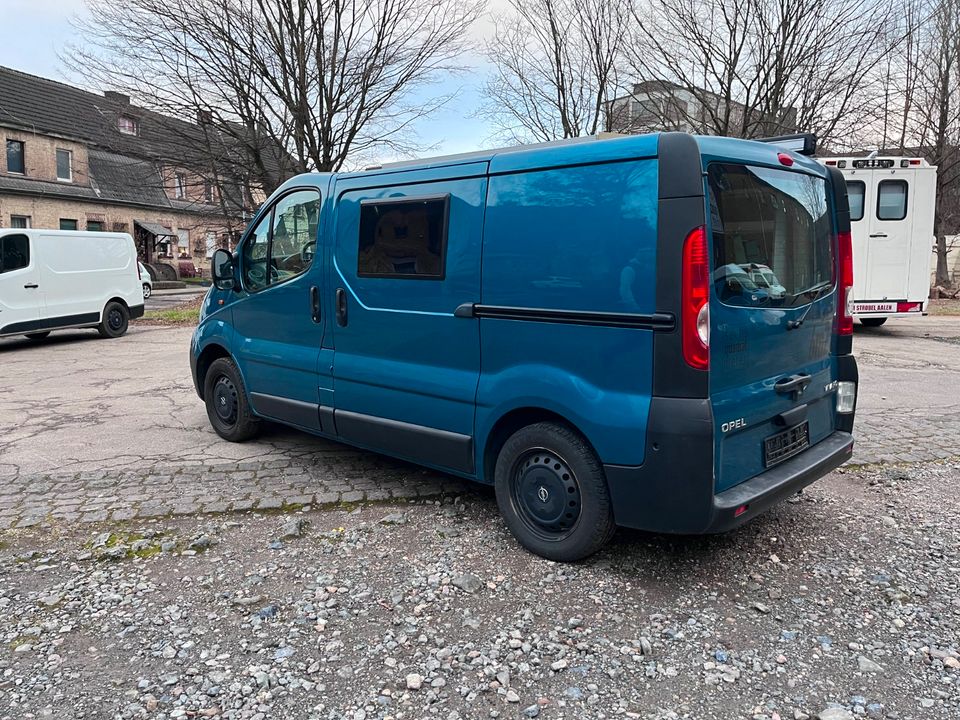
<point>818,291</point>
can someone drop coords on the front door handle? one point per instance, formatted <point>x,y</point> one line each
<point>31,286</point>
<point>341,307</point>
<point>315,303</point>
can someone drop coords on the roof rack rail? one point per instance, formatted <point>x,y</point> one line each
<point>801,143</point>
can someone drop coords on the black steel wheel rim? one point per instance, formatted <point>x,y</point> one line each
<point>115,319</point>
<point>225,400</point>
<point>545,493</point>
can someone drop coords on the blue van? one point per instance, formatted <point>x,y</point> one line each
<point>574,323</point>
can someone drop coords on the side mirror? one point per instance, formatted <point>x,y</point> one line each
<point>221,270</point>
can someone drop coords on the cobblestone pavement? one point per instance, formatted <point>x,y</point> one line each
<point>92,430</point>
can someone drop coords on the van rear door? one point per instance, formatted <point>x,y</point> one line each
<point>772,310</point>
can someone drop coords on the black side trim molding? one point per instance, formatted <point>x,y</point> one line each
<point>296,412</point>
<point>136,311</point>
<point>654,321</point>
<point>64,321</point>
<point>415,442</point>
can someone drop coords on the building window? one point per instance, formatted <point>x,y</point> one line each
<point>183,243</point>
<point>64,165</point>
<point>211,243</point>
<point>21,222</point>
<point>180,186</point>
<point>67,224</point>
<point>208,191</point>
<point>95,225</point>
<point>15,161</point>
<point>128,125</point>
<point>403,239</point>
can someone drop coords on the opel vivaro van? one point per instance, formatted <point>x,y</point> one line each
<point>56,279</point>
<point>571,323</point>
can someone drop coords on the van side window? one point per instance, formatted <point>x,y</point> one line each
<point>283,243</point>
<point>855,192</point>
<point>403,238</point>
<point>14,252</point>
<point>892,200</point>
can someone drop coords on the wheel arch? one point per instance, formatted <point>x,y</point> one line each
<point>213,351</point>
<point>511,421</point>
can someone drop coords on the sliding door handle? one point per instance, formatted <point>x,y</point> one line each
<point>31,286</point>
<point>315,303</point>
<point>341,307</point>
<point>878,235</point>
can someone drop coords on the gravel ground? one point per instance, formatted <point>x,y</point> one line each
<point>842,603</point>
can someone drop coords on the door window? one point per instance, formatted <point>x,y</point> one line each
<point>14,252</point>
<point>892,200</point>
<point>283,244</point>
<point>855,192</point>
<point>403,239</point>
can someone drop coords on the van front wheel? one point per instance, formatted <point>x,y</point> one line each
<point>226,401</point>
<point>116,319</point>
<point>552,493</point>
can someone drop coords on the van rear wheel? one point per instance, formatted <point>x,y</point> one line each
<point>552,493</point>
<point>116,319</point>
<point>872,322</point>
<point>226,400</point>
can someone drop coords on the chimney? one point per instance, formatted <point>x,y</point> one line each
<point>117,97</point>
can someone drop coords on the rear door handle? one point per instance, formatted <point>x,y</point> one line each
<point>341,307</point>
<point>31,286</point>
<point>315,303</point>
<point>792,384</point>
<point>878,235</point>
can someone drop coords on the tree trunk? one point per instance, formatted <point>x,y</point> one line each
<point>943,273</point>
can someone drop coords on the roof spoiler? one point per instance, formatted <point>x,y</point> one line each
<point>802,143</point>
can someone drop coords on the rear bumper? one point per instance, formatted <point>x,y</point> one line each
<point>136,311</point>
<point>680,502</point>
<point>778,483</point>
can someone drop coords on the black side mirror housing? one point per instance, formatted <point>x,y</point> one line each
<point>222,270</point>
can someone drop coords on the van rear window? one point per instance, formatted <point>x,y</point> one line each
<point>772,235</point>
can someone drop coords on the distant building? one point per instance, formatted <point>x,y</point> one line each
<point>76,160</point>
<point>658,105</point>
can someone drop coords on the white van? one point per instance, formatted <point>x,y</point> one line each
<point>892,205</point>
<point>56,279</point>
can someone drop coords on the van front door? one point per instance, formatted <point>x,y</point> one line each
<point>888,242</point>
<point>405,368</point>
<point>277,315</point>
<point>20,295</point>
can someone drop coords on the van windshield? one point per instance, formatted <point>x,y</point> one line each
<point>772,235</point>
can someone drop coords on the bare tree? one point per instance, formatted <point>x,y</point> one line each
<point>280,86</point>
<point>554,68</point>
<point>758,67</point>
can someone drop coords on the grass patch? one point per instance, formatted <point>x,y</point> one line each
<point>176,315</point>
<point>944,306</point>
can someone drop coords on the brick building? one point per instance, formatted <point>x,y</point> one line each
<point>73,159</point>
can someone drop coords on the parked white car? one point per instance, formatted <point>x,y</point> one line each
<point>146,280</point>
<point>56,279</point>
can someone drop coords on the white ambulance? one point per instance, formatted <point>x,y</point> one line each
<point>892,204</point>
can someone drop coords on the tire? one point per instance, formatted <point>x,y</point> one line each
<point>147,290</point>
<point>226,399</point>
<point>38,335</point>
<point>872,322</point>
<point>116,320</point>
<point>538,465</point>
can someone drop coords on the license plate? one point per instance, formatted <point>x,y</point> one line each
<point>786,444</point>
<point>874,307</point>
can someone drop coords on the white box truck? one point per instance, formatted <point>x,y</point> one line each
<point>892,205</point>
<point>56,279</point>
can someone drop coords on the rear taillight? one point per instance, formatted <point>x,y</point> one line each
<point>845,286</point>
<point>695,300</point>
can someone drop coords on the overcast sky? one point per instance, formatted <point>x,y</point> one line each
<point>33,33</point>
